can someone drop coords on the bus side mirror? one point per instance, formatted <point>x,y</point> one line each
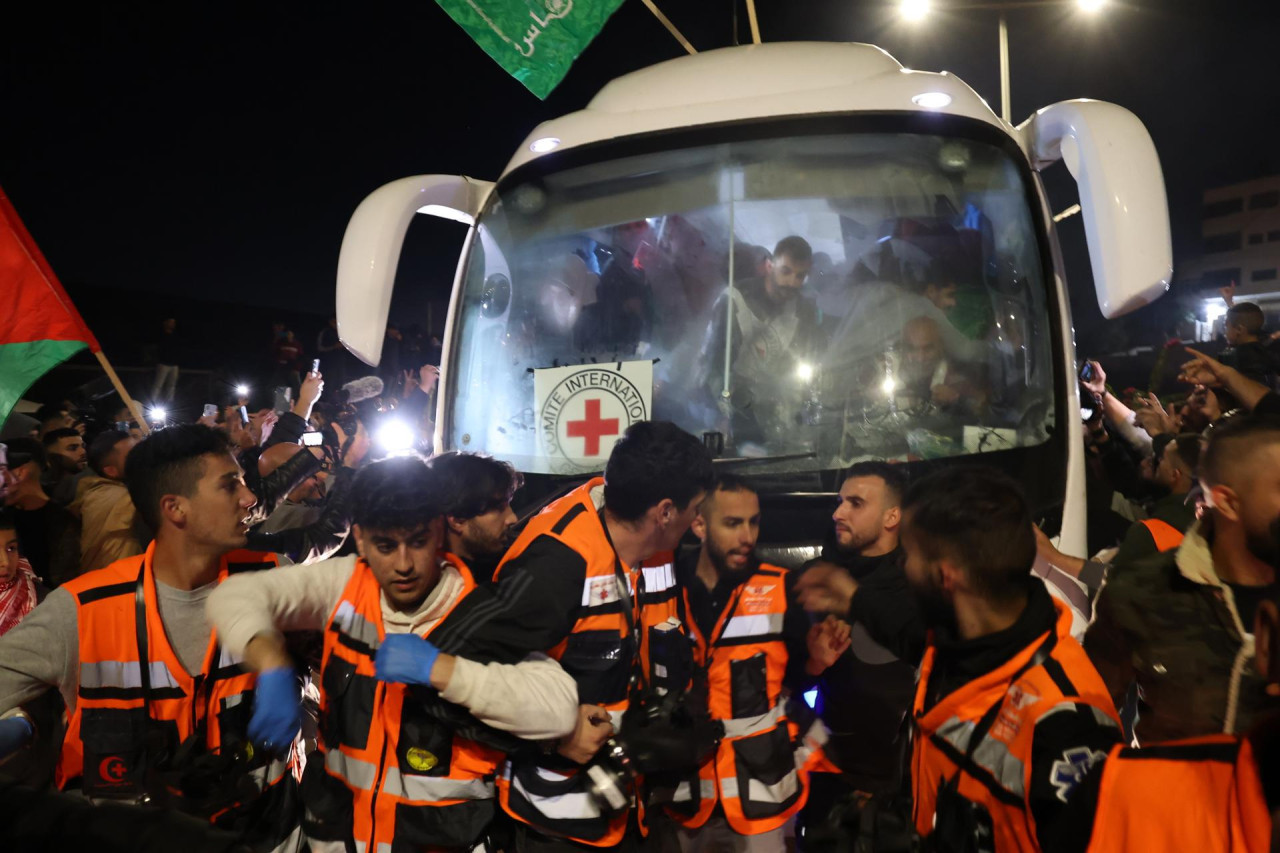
<point>371,250</point>
<point>1122,199</point>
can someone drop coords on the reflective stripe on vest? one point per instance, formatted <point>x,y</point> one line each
<point>105,748</point>
<point>993,776</point>
<point>745,652</point>
<point>378,742</point>
<point>1166,536</point>
<point>565,806</point>
<point>125,675</point>
<point>571,805</point>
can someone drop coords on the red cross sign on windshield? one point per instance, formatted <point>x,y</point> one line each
<point>592,428</point>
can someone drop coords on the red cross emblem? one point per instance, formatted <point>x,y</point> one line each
<point>592,428</point>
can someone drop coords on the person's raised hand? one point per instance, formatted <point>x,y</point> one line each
<point>827,641</point>
<point>1152,416</point>
<point>309,392</point>
<point>358,448</point>
<point>1203,370</point>
<point>825,588</point>
<point>1228,294</point>
<point>428,376</point>
<point>1097,386</point>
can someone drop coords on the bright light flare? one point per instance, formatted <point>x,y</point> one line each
<point>242,390</point>
<point>931,100</point>
<point>914,10</point>
<point>545,144</point>
<point>804,371</point>
<point>1215,310</point>
<point>158,414</point>
<point>396,436</point>
<point>888,386</point>
<point>1090,6</point>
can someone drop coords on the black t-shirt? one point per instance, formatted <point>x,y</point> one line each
<point>1249,597</point>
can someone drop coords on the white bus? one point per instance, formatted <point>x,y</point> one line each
<point>602,268</point>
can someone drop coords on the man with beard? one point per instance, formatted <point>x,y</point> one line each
<point>68,457</point>
<point>775,341</point>
<point>752,642</point>
<point>1009,714</point>
<point>1170,515</point>
<point>475,494</point>
<point>865,694</point>
<point>1174,624</point>
<point>928,376</point>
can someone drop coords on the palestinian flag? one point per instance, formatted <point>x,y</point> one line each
<point>39,327</point>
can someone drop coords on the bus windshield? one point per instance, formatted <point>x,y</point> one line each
<point>803,302</point>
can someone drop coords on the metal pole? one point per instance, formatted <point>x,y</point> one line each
<point>1005,111</point>
<point>124,395</point>
<point>671,28</point>
<point>728,305</point>
<point>755,25</point>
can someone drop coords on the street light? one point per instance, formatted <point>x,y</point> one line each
<point>915,11</point>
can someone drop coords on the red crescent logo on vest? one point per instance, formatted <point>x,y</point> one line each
<point>113,769</point>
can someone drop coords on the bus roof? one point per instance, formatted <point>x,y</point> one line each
<point>751,82</point>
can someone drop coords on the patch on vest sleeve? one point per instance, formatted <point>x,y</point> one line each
<point>1069,771</point>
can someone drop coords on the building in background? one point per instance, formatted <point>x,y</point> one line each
<point>1241,242</point>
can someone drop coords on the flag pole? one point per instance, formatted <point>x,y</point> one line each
<point>124,395</point>
<point>671,28</point>
<point>755,25</point>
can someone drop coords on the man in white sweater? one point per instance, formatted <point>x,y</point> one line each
<point>402,762</point>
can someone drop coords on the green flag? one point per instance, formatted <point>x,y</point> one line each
<point>534,40</point>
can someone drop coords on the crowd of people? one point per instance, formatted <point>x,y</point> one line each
<point>272,633</point>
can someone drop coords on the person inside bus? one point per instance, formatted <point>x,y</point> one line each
<point>620,321</point>
<point>888,285</point>
<point>927,377</point>
<point>775,339</point>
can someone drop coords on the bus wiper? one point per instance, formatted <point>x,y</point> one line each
<point>747,460</point>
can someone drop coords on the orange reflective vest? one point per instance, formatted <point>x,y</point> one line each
<point>413,783</point>
<point>1196,794</point>
<point>760,772</point>
<point>1003,707</point>
<point>602,654</point>
<point>1166,536</point>
<point>118,738</point>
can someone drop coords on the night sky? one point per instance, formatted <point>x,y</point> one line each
<point>218,153</point>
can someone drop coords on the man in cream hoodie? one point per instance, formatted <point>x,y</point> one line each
<point>402,763</point>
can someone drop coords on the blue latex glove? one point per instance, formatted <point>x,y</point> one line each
<point>406,659</point>
<point>14,734</point>
<point>277,710</point>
